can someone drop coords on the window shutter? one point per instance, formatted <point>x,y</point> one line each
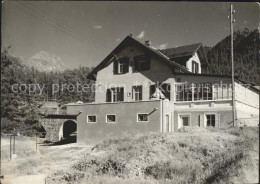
<point>202,123</point>
<point>121,92</point>
<point>217,120</point>
<point>116,67</point>
<point>127,65</point>
<point>152,90</point>
<point>108,98</point>
<point>141,92</point>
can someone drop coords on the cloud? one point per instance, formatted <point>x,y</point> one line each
<point>163,46</point>
<point>97,27</point>
<point>141,35</point>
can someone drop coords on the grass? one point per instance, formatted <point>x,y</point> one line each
<point>193,157</point>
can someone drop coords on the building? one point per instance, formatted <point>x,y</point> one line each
<point>139,88</point>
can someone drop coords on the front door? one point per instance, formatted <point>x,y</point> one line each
<point>166,124</point>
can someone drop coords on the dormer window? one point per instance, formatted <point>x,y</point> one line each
<point>195,67</point>
<point>141,63</point>
<point>121,66</point>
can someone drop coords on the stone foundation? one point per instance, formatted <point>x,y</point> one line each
<point>53,128</point>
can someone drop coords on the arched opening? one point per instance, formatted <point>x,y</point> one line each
<point>69,132</point>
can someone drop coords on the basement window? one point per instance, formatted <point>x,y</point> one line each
<point>111,118</point>
<point>91,119</point>
<point>142,117</point>
<point>211,120</point>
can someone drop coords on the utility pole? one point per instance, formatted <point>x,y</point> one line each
<point>232,20</point>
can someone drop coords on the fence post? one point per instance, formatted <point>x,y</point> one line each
<point>10,147</point>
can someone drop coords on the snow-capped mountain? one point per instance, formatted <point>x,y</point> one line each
<point>46,62</point>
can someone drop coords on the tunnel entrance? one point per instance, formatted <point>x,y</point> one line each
<point>69,132</point>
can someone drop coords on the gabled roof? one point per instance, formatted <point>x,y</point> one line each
<point>183,53</point>
<point>131,41</point>
<point>186,50</point>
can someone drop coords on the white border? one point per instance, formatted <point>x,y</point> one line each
<point>179,119</point>
<point>111,121</point>
<point>92,115</point>
<point>213,113</point>
<point>142,121</point>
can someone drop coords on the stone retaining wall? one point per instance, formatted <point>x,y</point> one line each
<point>53,127</point>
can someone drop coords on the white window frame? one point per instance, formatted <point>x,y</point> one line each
<point>115,93</point>
<point>184,115</point>
<point>137,119</point>
<point>110,121</point>
<point>205,115</point>
<point>140,93</point>
<point>121,64</point>
<point>91,121</point>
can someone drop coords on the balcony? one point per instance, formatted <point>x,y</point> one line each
<point>202,92</point>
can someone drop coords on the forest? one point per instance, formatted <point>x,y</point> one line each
<point>20,109</point>
<point>246,56</point>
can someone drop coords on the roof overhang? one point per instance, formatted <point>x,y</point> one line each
<point>131,41</point>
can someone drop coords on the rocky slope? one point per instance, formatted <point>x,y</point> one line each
<point>46,62</point>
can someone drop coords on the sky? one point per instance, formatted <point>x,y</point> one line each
<point>84,33</point>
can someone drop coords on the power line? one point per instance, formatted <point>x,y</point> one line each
<point>61,27</point>
<point>58,21</point>
<point>58,27</point>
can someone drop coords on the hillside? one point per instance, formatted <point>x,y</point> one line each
<point>223,156</point>
<point>19,109</point>
<point>193,157</point>
<point>246,56</point>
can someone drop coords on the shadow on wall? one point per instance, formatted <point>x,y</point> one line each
<point>68,133</point>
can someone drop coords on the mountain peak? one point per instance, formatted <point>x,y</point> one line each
<point>46,62</point>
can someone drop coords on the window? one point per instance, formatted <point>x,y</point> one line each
<point>224,91</point>
<point>193,92</point>
<point>137,93</point>
<point>185,121</point>
<point>115,94</point>
<point>121,66</point>
<point>195,67</point>
<point>91,119</point>
<point>180,91</point>
<point>141,63</point>
<point>215,92</point>
<point>111,118</point>
<point>166,90</point>
<point>142,117</point>
<point>211,120</point>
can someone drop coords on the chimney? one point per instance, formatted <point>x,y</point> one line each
<point>147,43</point>
<point>131,35</point>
